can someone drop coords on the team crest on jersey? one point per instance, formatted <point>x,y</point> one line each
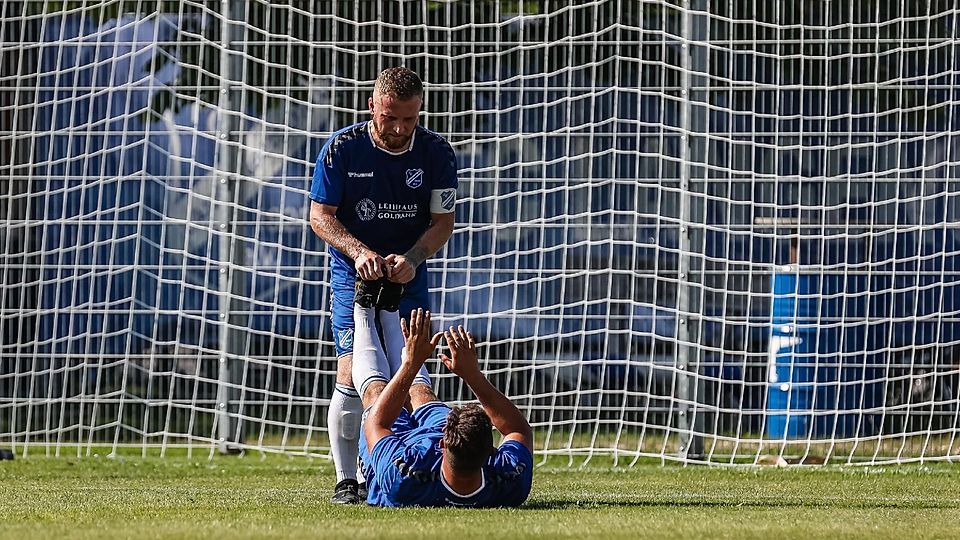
<point>345,338</point>
<point>414,178</point>
<point>448,198</point>
<point>366,209</point>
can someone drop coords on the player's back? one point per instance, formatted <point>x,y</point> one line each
<point>506,481</point>
<point>407,472</point>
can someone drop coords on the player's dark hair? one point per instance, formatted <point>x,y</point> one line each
<point>399,83</point>
<point>468,438</point>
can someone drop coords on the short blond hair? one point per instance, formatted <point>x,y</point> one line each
<point>399,83</point>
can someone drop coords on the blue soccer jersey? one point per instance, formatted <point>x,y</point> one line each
<point>385,200</point>
<point>403,469</point>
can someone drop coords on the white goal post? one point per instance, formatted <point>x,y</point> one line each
<point>708,231</point>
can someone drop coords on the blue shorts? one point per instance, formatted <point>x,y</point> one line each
<point>415,295</point>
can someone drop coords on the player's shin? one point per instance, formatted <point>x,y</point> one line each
<point>369,359</point>
<point>392,337</point>
<point>394,342</point>
<point>343,422</point>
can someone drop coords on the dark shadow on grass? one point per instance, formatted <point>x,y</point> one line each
<point>559,504</point>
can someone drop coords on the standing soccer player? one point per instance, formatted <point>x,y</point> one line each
<point>383,200</point>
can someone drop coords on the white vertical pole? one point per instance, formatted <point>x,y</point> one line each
<point>689,391</point>
<point>228,256</point>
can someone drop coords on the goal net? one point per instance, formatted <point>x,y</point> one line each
<point>701,230</point>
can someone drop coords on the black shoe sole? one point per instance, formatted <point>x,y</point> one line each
<point>366,293</point>
<point>390,295</point>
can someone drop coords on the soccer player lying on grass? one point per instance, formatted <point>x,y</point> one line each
<point>434,455</point>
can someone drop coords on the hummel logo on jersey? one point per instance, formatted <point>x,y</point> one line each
<point>353,174</point>
<point>414,178</point>
<point>366,209</point>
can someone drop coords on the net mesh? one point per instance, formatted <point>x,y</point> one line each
<point>696,230</point>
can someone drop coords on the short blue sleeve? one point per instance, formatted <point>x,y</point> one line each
<point>328,177</point>
<point>513,466</point>
<point>382,460</point>
<point>513,458</point>
<point>445,173</point>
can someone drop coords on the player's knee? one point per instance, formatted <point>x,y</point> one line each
<point>421,392</point>
<point>422,381</point>
<point>371,390</point>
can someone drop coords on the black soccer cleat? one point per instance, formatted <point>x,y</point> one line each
<point>366,293</point>
<point>362,491</point>
<point>346,492</point>
<point>390,294</point>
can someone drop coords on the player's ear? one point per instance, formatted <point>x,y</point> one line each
<point>370,104</point>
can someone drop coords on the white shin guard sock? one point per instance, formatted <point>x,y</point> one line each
<point>369,360</point>
<point>343,423</point>
<point>394,342</point>
<point>392,338</point>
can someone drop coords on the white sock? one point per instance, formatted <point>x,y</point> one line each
<point>343,423</point>
<point>393,339</point>
<point>369,361</point>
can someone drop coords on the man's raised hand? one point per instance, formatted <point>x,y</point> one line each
<point>463,352</point>
<point>419,344</point>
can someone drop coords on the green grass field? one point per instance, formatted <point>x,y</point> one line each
<point>272,496</point>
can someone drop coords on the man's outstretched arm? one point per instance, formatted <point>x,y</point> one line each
<point>418,347</point>
<point>504,415</point>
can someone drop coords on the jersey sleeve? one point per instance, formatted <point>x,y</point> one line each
<point>383,462</point>
<point>328,177</point>
<point>401,470</point>
<point>443,193</point>
<point>445,167</point>
<point>512,466</point>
